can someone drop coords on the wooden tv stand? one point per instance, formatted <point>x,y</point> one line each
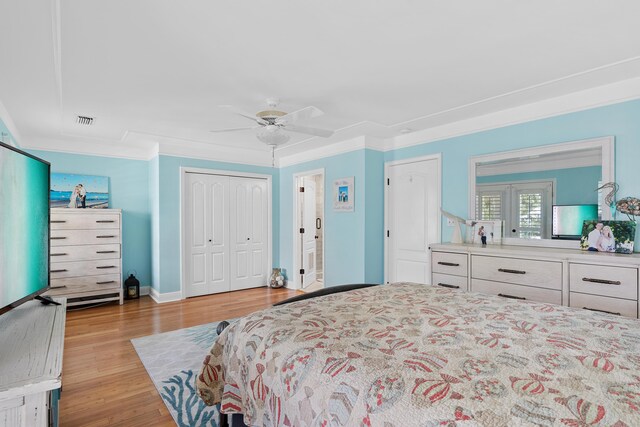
<point>31,345</point>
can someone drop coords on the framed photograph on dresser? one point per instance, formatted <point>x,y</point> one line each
<point>491,231</point>
<point>608,236</point>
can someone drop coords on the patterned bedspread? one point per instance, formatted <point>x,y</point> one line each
<point>415,355</point>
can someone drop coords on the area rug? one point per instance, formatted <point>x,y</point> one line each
<point>172,360</point>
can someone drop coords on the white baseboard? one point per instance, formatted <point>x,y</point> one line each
<point>166,297</point>
<point>145,290</point>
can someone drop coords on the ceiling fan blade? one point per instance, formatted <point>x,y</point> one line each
<point>242,113</point>
<point>324,133</point>
<point>304,113</point>
<point>233,129</point>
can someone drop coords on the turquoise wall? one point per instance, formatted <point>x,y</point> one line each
<point>148,192</point>
<point>129,191</point>
<point>574,186</point>
<point>619,120</point>
<point>167,214</point>
<point>353,246</point>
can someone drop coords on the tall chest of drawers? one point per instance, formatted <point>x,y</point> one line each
<point>589,280</point>
<point>86,262</point>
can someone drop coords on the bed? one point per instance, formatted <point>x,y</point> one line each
<point>408,354</point>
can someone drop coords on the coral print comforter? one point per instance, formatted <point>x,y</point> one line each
<point>415,355</point>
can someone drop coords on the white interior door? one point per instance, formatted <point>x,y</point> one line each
<point>207,238</point>
<point>309,236</point>
<point>413,215</point>
<point>249,232</point>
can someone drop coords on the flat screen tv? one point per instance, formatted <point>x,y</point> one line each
<point>24,227</point>
<point>567,220</point>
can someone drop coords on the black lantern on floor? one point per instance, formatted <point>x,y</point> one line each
<point>132,287</point>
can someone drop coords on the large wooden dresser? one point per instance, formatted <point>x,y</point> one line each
<point>590,280</point>
<point>86,264</point>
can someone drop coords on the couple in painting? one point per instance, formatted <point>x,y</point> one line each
<point>601,239</point>
<point>78,197</point>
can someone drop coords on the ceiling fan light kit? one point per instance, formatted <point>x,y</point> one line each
<point>274,124</point>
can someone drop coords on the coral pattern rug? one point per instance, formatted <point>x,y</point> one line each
<point>172,360</point>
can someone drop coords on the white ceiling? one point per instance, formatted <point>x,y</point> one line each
<point>156,70</point>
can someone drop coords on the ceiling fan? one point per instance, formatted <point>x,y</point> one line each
<point>272,123</point>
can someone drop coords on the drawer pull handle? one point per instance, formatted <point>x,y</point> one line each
<point>508,270</point>
<point>445,285</point>
<point>59,271</point>
<point>58,238</point>
<point>106,252</point>
<point>603,281</point>
<point>58,221</point>
<point>105,221</point>
<point>105,237</point>
<point>59,287</point>
<point>103,267</point>
<point>63,254</point>
<point>449,264</point>
<point>105,283</point>
<point>511,296</point>
<point>602,311</point>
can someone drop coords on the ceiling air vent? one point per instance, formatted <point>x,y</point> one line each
<point>84,120</point>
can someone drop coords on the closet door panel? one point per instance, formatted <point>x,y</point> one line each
<point>206,236</point>
<point>239,226</point>
<point>248,252</point>
<point>219,236</point>
<point>259,232</point>
<point>196,236</point>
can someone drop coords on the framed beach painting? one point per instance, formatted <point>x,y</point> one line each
<point>79,191</point>
<point>608,236</point>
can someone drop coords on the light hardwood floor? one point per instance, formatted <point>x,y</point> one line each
<point>104,382</point>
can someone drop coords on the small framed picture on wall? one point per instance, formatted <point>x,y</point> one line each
<point>343,195</point>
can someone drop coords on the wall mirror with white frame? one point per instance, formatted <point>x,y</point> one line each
<point>542,194</point>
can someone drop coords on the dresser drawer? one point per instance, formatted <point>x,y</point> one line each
<point>70,221</point>
<point>84,253</point>
<point>541,274</point>
<point>62,270</point>
<point>517,292</point>
<point>617,282</point>
<point>84,284</point>
<point>449,263</point>
<point>612,305</point>
<point>449,281</point>
<point>84,237</point>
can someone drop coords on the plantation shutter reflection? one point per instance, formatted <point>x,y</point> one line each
<point>530,221</point>
<point>489,206</point>
<point>525,207</point>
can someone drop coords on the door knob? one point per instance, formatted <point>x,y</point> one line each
<point>209,240</point>
<point>248,238</point>
<point>316,237</point>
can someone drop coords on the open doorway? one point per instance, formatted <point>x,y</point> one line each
<point>309,230</point>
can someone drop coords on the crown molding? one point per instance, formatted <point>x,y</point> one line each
<point>97,148</point>
<point>187,148</point>
<point>145,146</point>
<point>600,96</point>
<point>568,160</point>
<point>353,144</point>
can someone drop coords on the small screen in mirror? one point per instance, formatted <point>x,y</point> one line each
<point>568,219</point>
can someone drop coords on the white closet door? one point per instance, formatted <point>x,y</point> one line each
<point>249,232</point>
<point>207,238</point>
<point>309,235</point>
<point>413,215</point>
